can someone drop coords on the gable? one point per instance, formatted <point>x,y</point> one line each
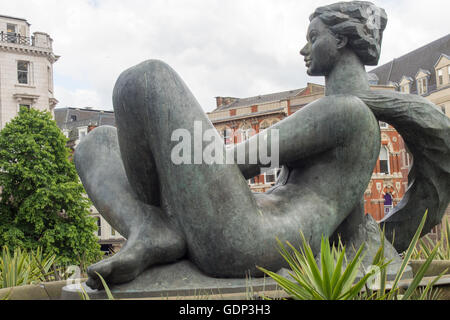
<point>444,60</point>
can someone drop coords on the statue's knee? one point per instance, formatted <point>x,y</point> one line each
<point>144,82</point>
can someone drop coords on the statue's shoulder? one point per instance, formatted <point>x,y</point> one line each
<point>344,102</point>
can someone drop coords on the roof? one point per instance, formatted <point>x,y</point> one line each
<point>409,64</point>
<point>266,98</point>
<point>15,18</point>
<point>84,117</point>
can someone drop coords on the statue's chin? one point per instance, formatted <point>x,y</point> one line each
<point>309,72</point>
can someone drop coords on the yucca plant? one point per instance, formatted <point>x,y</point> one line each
<point>84,295</point>
<point>22,267</point>
<point>426,245</point>
<point>334,280</point>
<point>382,292</point>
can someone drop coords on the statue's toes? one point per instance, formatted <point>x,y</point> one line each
<point>104,268</point>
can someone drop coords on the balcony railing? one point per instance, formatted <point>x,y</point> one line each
<point>16,38</point>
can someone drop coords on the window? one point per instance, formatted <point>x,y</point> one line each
<point>50,79</point>
<point>23,72</point>
<point>113,232</point>
<point>442,109</point>
<point>264,125</point>
<point>384,160</point>
<point>421,86</point>
<point>11,36</point>
<point>226,134</point>
<point>271,176</point>
<point>99,226</point>
<point>82,132</point>
<point>246,132</point>
<point>383,125</point>
<point>405,88</point>
<point>73,118</point>
<point>252,180</point>
<point>24,106</point>
<point>440,77</point>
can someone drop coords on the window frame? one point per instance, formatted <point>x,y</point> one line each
<point>11,37</point>
<point>383,125</point>
<point>26,72</point>
<point>388,169</point>
<point>440,76</point>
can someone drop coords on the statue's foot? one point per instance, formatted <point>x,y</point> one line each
<point>139,252</point>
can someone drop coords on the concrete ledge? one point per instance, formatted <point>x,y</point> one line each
<point>435,268</point>
<point>41,291</point>
<point>179,279</point>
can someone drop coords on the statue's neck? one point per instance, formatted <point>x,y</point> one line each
<point>348,75</point>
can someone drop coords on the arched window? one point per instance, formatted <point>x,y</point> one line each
<point>264,125</point>
<point>388,205</point>
<point>384,160</point>
<point>246,132</point>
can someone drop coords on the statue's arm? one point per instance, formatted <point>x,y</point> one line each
<point>316,128</point>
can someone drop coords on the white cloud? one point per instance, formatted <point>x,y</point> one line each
<point>228,48</point>
<point>79,98</point>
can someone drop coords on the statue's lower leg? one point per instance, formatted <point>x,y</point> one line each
<point>152,236</point>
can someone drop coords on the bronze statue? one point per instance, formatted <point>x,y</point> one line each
<point>206,212</point>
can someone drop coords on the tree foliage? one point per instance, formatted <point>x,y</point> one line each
<point>42,202</point>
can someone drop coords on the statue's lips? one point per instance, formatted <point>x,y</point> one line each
<point>307,62</point>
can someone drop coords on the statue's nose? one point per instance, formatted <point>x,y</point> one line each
<point>304,51</point>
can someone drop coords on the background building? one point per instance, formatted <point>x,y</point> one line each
<point>26,69</point>
<point>76,123</point>
<point>424,71</point>
<point>237,119</point>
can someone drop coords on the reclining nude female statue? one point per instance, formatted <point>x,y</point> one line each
<point>206,212</point>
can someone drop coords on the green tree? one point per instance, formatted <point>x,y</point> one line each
<point>42,202</point>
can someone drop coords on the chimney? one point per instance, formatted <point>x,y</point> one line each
<point>219,101</point>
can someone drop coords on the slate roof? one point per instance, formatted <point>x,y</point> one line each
<point>84,117</point>
<point>256,100</point>
<point>409,64</point>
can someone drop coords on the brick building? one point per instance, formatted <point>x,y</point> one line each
<point>424,71</point>
<point>237,119</point>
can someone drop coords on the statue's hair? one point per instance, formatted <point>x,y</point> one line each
<point>361,22</point>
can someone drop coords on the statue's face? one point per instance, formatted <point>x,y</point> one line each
<point>321,50</point>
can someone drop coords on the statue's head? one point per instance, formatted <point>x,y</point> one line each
<point>355,25</point>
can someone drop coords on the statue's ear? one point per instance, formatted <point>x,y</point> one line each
<point>341,41</point>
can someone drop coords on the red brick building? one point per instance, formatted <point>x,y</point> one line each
<point>237,119</point>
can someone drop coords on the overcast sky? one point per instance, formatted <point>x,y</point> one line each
<point>236,48</point>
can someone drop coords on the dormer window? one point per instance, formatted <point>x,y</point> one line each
<point>405,84</point>
<point>440,75</point>
<point>405,88</point>
<point>442,69</point>
<point>422,86</point>
<point>422,81</point>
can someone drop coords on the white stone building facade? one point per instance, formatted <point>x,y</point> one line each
<point>26,69</point>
